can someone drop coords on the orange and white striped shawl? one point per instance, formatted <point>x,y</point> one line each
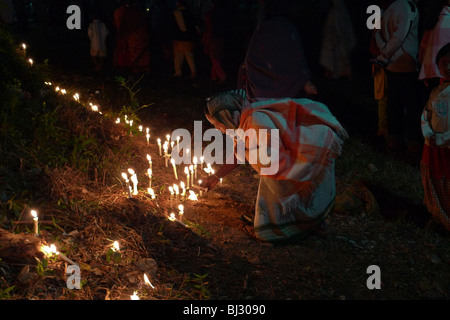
<point>310,139</point>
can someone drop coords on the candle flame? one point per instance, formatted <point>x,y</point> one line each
<point>181,208</point>
<point>195,160</point>
<point>192,196</point>
<point>131,171</point>
<point>48,251</point>
<point>182,185</point>
<point>118,120</point>
<point>186,170</point>
<point>159,141</point>
<point>172,161</point>
<point>135,296</point>
<point>175,187</point>
<point>149,158</point>
<point>30,61</point>
<point>140,128</point>
<point>148,281</point>
<point>34,213</point>
<point>124,175</point>
<point>115,246</point>
<point>24,46</point>
<point>147,130</point>
<point>171,190</point>
<point>172,217</point>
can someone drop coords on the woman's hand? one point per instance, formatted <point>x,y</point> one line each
<point>310,89</point>
<point>210,182</point>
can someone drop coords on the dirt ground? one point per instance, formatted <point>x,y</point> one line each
<point>215,252</point>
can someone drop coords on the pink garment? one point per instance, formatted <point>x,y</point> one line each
<point>432,41</point>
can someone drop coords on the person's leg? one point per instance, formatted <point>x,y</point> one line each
<point>395,112</point>
<point>191,62</point>
<point>178,57</point>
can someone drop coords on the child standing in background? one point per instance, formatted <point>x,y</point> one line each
<point>435,167</point>
<point>98,32</point>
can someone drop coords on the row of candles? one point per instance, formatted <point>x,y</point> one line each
<point>177,193</point>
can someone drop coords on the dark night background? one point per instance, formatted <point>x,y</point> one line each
<point>45,20</point>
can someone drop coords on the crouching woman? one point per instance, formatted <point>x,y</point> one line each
<point>295,199</point>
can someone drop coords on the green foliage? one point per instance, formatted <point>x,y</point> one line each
<point>200,285</point>
<point>5,294</point>
<point>113,256</point>
<point>130,109</point>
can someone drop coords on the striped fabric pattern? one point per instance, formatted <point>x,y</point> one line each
<point>293,201</point>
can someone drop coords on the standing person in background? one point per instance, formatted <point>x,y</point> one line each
<point>184,33</point>
<point>435,166</point>
<point>98,33</point>
<point>380,81</point>
<point>138,39</point>
<point>275,65</point>
<point>399,46</point>
<point>338,42</point>
<point>121,58</point>
<point>436,35</point>
<point>216,24</point>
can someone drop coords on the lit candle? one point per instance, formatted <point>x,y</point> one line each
<point>199,183</point>
<point>195,167</point>
<point>174,168</point>
<point>115,246</point>
<point>177,191</point>
<point>118,120</point>
<point>166,155</point>
<point>192,196</point>
<point>168,138</point>
<point>149,161</point>
<point>171,195</point>
<point>172,217</point>
<point>201,162</point>
<point>191,169</point>
<point>135,296</point>
<point>181,212</point>
<point>24,46</point>
<point>146,281</point>
<point>48,251</point>
<point>147,130</point>
<point>30,61</point>
<point>183,187</point>
<point>151,193</point>
<point>148,137</point>
<point>36,220</point>
<point>159,145</point>
<point>134,179</point>
<point>149,173</point>
<point>178,143</point>
<point>220,180</point>
<point>186,171</point>
<point>125,177</point>
<point>140,129</point>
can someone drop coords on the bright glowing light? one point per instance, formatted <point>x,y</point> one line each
<point>146,281</point>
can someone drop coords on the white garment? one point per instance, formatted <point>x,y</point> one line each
<point>398,38</point>
<point>97,34</point>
